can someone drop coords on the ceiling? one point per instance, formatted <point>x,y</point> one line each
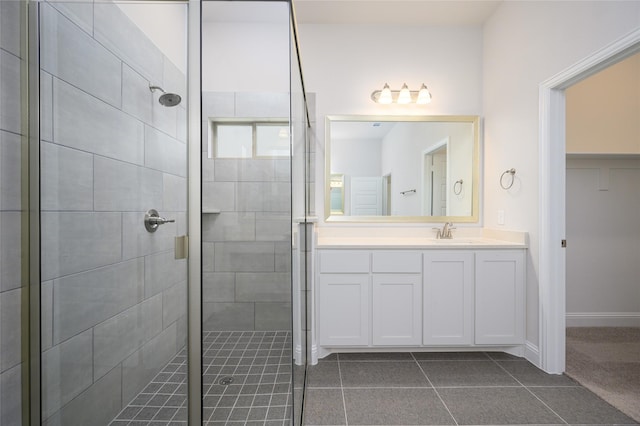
<point>392,12</point>
<point>402,12</point>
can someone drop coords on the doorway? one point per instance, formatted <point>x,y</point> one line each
<point>434,180</point>
<point>603,254</point>
<point>552,197</point>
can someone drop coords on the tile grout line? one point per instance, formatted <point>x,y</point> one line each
<point>174,393</point>
<point>434,389</point>
<point>529,390</point>
<point>344,400</point>
<point>264,371</point>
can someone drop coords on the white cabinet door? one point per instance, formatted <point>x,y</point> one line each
<point>500,297</point>
<point>448,298</point>
<point>343,309</point>
<point>397,309</point>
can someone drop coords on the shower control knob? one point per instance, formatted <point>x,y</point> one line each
<point>152,220</point>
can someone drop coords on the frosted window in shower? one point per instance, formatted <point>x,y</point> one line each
<point>251,140</point>
<point>272,140</point>
<point>234,141</point>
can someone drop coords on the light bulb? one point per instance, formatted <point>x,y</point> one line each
<point>424,97</point>
<point>385,95</point>
<point>405,95</point>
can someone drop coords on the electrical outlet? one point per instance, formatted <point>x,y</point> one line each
<point>500,217</point>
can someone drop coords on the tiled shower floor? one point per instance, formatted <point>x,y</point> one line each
<point>259,363</point>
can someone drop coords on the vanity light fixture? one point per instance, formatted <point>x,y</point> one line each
<point>402,96</point>
<point>384,96</point>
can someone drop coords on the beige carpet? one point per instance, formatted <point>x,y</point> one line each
<point>606,360</point>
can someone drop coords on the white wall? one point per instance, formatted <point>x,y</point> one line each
<point>240,56</point>
<point>525,43</point>
<point>343,64</point>
<point>357,157</point>
<point>603,231</point>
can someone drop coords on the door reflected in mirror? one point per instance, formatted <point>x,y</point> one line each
<point>433,161</point>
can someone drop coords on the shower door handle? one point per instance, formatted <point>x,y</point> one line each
<point>152,220</point>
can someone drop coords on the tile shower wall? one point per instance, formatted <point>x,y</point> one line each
<point>10,213</point>
<point>113,297</point>
<point>247,246</point>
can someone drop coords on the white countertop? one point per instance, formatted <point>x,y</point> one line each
<point>485,239</point>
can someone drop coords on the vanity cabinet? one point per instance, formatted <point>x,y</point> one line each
<point>448,298</point>
<point>420,298</point>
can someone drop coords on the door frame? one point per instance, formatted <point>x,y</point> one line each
<point>194,217</point>
<point>428,152</point>
<point>552,204</point>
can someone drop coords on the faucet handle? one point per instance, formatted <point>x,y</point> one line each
<point>438,233</point>
<point>449,235</point>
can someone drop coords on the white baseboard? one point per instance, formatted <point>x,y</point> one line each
<point>532,353</point>
<point>603,319</point>
<point>314,354</point>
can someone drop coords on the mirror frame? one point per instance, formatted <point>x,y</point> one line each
<point>475,192</point>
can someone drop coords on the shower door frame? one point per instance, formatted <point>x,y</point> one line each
<point>32,401</point>
<point>194,217</point>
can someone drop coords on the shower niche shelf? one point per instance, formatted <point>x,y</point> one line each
<point>211,211</point>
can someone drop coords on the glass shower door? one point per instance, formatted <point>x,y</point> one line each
<point>113,185</point>
<point>253,302</point>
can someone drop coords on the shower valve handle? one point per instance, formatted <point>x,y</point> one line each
<point>152,220</point>
<point>160,220</point>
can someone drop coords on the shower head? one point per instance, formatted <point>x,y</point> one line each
<point>169,99</point>
<point>166,99</point>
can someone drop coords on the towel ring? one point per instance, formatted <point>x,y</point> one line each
<point>457,187</point>
<point>511,172</point>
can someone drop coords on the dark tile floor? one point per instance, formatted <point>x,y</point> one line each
<point>259,363</point>
<point>470,388</point>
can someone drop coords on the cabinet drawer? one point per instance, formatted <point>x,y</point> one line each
<point>407,262</point>
<point>344,261</point>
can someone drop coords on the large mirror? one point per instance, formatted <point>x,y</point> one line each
<point>402,168</point>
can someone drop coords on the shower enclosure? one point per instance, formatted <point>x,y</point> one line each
<point>96,297</point>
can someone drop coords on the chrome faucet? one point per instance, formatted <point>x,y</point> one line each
<point>445,232</point>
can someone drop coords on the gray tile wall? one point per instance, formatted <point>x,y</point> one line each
<point>113,296</point>
<point>10,214</point>
<point>247,246</point>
